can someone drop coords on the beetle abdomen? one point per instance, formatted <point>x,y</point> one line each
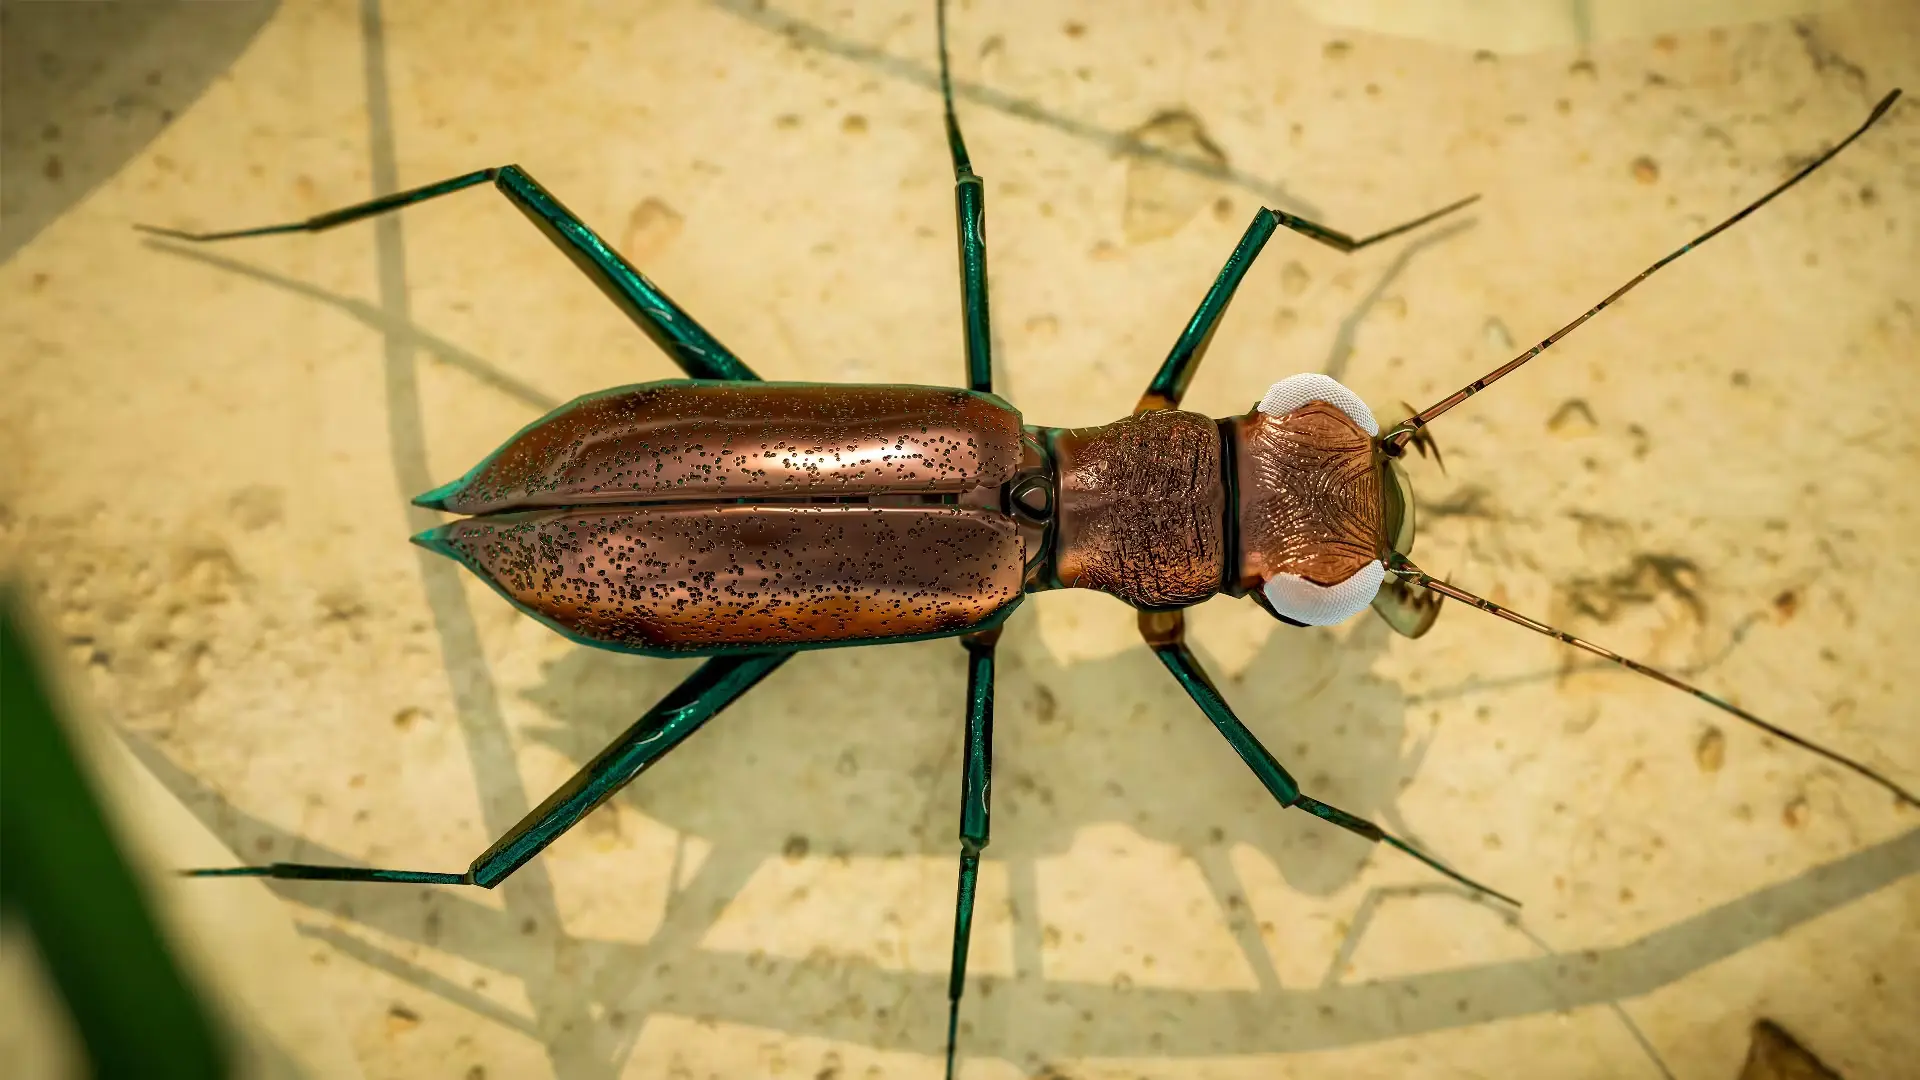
<point>1142,509</point>
<point>690,440</point>
<point>706,578</point>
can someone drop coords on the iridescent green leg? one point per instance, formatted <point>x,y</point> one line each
<point>690,346</point>
<point>713,686</point>
<point>1165,631</point>
<point>970,207</point>
<point>973,815</point>
<point>1169,385</point>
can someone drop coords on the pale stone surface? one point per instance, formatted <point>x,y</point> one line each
<point>210,452</point>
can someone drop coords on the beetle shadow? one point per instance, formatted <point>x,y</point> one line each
<point>802,34</point>
<point>1078,747</point>
<point>589,997</point>
<point>1106,741</point>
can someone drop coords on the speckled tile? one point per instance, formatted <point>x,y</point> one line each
<point>210,452</point>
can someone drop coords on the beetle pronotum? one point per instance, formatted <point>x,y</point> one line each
<point>724,517</point>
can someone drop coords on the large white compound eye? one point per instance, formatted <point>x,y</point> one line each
<point>1296,390</point>
<point>1324,605</point>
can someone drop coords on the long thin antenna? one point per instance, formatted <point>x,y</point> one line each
<point>1395,441</point>
<point>1398,564</point>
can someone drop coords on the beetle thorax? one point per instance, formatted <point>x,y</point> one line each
<point>1142,509</point>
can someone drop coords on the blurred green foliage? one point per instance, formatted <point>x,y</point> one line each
<point>63,876</point>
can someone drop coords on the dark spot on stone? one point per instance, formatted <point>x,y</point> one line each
<point>1045,705</point>
<point>1775,1055</point>
<point>400,1018</point>
<point>1641,582</point>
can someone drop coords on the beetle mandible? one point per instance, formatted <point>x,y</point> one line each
<point>745,521</point>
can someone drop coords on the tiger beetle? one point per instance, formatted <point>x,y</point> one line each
<point>744,521</point>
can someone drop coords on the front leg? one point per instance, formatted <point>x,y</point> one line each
<point>1169,384</point>
<point>1166,633</point>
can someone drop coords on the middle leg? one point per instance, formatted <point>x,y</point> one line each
<point>975,773</point>
<point>970,210</point>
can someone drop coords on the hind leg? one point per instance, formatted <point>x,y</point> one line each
<point>675,331</point>
<point>712,687</point>
<point>1165,632</point>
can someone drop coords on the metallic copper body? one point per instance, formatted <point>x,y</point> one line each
<point>692,516</point>
<point>1310,495</point>
<point>1141,509</point>
<point>681,441</point>
<point>688,577</point>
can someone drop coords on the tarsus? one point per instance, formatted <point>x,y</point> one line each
<point>957,146</point>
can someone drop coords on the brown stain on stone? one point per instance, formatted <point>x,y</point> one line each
<point>1162,195</point>
<point>1775,1055</point>
<point>1710,752</point>
<point>651,228</point>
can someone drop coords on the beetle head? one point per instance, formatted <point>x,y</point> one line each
<point>1321,505</point>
